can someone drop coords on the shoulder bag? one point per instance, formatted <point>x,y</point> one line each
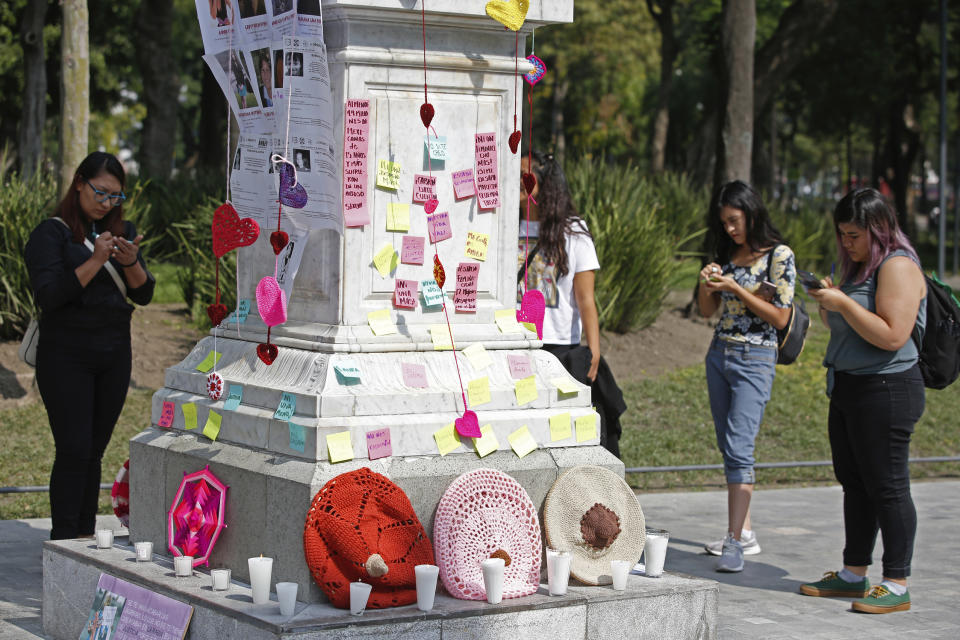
<point>791,338</point>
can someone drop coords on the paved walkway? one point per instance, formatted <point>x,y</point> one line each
<point>799,530</point>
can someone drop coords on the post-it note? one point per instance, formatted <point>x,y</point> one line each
<point>378,443</point>
<point>478,356</point>
<point>506,320</point>
<point>189,415</point>
<point>521,441</point>
<point>560,427</point>
<point>487,442</point>
<point>414,375</point>
<point>386,260</point>
<point>465,295</point>
<point>424,187</point>
<point>398,216</point>
<point>463,186</point>
<point>526,390</point>
<point>405,293</point>
<point>241,312</point>
<point>339,446</point>
<point>207,363</point>
<point>586,427</point>
<point>380,322</point>
<point>286,408</point>
<point>411,251</point>
<point>478,391</point>
<point>212,428</point>
<point>438,227</point>
<point>166,415</point>
<point>565,385</point>
<point>388,174</point>
<point>348,372</point>
<point>234,398</point>
<point>432,295</point>
<point>520,367</point>
<point>437,146</point>
<point>447,439</point>
<point>440,336</point>
<point>477,245</point>
<point>298,437</point>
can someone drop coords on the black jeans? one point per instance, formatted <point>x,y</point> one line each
<point>83,384</point>
<point>871,420</point>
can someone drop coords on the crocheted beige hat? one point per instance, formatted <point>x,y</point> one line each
<point>591,512</point>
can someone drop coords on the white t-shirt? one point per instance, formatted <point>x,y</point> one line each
<point>561,323</point>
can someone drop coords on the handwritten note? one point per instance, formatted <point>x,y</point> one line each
<point>438,227</point>
<point>347,371</point>
<point>378,444</point>
<point>478,391</point>
<point>166,415</point>
<point>586,427</point>
<point>356,137</point>
<point>437,146</point>
<point>240,314</point>
<point>478,356</point>
<point>432,295</point>
<point>560,427</point>
<point>424,187</point>
<point>414,375</point>
<point>405,293</point>
<point>234,398</point>
<point>380,322</point>
<point>565,385</point>
<point>386,260</point>
<point>207,363</point>
<point>388,174</point>
<point>398,216</point>
<point>212,428</point>
<point>522,442</point>
<point>339,446</point>
<point>411,251</point>
<point>506,320</point>
<point>465,295</point>
<point>526,390</point>
<point>189,415</point>
<point>488,193</point>
<point>463,186</point>
<point>520,367</point>
<point>441,337</point>
<point>487,442</point>
<point>286,408</point>
<point>447,439</point>
<point>477,245</point>
<point>298,437</point>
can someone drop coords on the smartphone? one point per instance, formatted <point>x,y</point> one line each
<point>766,289</point>
<point>809,280</point>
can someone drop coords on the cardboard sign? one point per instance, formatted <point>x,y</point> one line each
<point>405,293</point>
<point>414,375</point>
<point>411,251</point>
<point>356,137</point>
<point>438,227</point>
<point>465,295</point>
<point>463,186</point>
<point>388,174</point>
<point>398,216</point>
<point>424,187</point>
<point>477,245</point>
<point>166,415</point>
<point>378,444</point>
<point>488,192</point>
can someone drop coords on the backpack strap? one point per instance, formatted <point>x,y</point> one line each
<point>523,270</point>
<point>109,267</point>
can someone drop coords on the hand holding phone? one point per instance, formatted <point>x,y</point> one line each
<point>809,280</point>
<point>766,290</point>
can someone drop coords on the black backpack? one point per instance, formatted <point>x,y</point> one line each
<point>791,338</point>
<point>940,347</point>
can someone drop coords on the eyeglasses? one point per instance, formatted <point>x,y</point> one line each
<point>103,196</point>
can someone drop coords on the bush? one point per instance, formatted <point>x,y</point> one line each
<point>809,232</point>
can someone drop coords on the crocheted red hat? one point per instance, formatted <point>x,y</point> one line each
<point>361,526</point>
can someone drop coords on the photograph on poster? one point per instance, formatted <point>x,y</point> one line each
<point>261,63</point>
<point>309,7</point>
<point>294,62</point>
<point>301,159</point>
<point>282,6</point>
<point>251,8</point>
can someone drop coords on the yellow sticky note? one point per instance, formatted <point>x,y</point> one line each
<point>398,216</point>
<point>447,439</point>
<point>388,174</point>
<point>339,446</point>
<point>478,356</point>
<point>560,427</point>
<point>586,427</point>
<point>212,428</point>
<point>441,337</point>
<point>386,260</point>
<point>506,319</point>
<point>487,442</point>
<point>479,391</point>
<point>189,415</point>
<point>565,385</point>
<point>477,245</point>
<point>530,326</point>
<point>212,358</point>
<point>380,323</point>
<point>526,390</point>
<point>522,442</point>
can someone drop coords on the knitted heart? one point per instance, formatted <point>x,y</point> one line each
<point>532,309</point>
<point>267,352</point>
<point>230,232</point>
<point>514,141</point>
<point>279,239</point>
<point>292,192</point>
<point>468,425</point>
<point>431,205</point>
<point>216,313</point>
<point>510,14</point>
<point>536,74</point>
<point>529,182</point>
<point>426,113</point>
<point>271,302</point>
<point>214,385</point>
<point>438,273</point>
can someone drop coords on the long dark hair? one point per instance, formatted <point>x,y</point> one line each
<point>870,211</point>
<point>761,233</point>
<point>69,207</point>
<point>558,215</point>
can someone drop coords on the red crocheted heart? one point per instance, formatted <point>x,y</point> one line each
<point>216,313</point>
<point>514,141</point>
<point>426,113</point>
<point>431,205</point>
<point>438,273</point>
<point>529,182</point>
<point>278,240</point>
<point>267,352</point>
<point>230,231</point>
<point>468,425</point>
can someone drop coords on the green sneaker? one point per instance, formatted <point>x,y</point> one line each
<point>833,585</point>
<point>881,600</point>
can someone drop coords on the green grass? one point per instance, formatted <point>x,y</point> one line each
<point>168,288</point>
<point>668,423</point>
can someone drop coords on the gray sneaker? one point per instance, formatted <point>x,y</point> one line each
<point>731,559</point>
<point>749,542</point>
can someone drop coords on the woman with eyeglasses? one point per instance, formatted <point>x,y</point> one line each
<point>84,264</point>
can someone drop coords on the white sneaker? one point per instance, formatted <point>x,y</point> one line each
<point>747,540</point>
<point>731,559</point>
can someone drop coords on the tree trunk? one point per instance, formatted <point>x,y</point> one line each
<point>75,94</point>
<point>160,87</point>
<point>558,135</point>
<point>903,143</point>
<point>735,142</point>
<point>213,124</point>
<point>33,113</point>
<point>662,12</point>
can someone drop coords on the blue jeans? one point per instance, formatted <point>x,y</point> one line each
<point>739,380</point>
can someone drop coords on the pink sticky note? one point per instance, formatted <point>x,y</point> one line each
<point>411,251</point>
<point>424,187</point>
<point>378,444</point>
<point>166,415</point>
<point>414,375</point>
<point>463,186</point>
<point>488,193</point>
<point>465,295</point>
<point>356,136</point>
<point>405,294</point>
<point>438,226</point>
<point>519,367</point>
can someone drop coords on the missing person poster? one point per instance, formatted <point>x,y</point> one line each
<point>123,611</point>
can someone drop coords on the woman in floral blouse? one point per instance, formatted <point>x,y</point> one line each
<point>752,282</point>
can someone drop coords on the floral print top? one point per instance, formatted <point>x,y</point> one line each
<point>739,324</point>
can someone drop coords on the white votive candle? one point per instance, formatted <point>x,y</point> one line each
<point>144,551</point>
<point>655,552</point>
<point>104,538</point>
<point>221,579</point>
<point>426,585</point>
<point>492,569</point>
<point>359,594</point>
<point>183,566</point>
<point>261,570</point>
<point>287,595</point>
<point>558,572</point>
<point>619,569</point>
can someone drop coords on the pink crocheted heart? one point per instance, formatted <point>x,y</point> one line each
<point>468,425</point>
<point>292,192</point>
<point>430,205</point>
<point>271,302</point>
<point>532,309</point>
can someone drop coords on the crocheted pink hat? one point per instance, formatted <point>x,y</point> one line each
<point>485,513</point>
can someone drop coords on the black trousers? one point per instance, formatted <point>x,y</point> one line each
<point>871,420</point>
<point>83,384</point>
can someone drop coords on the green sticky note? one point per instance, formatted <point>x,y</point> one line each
<point>586,427</point>
<point>207,363</point>
<point>388,174</point>
<point>234,398</point>
<point>212,428</point>
<point>339,446</point>
<point>522,442</point>
<point>560,427</point>
<point>189,415</point>
<point>298,437</point>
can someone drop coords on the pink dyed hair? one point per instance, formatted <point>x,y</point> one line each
<point>869,210</point>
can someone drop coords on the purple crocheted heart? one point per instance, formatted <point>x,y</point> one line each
<point>292,192</point>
